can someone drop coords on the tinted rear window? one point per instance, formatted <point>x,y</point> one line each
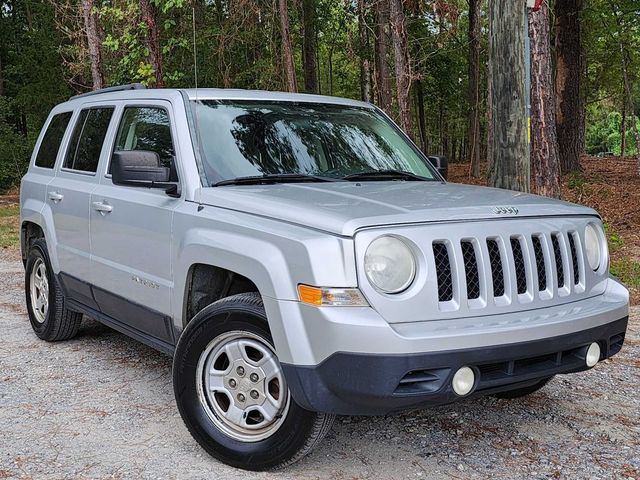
<point>46,157</point>
<point>88,136</point>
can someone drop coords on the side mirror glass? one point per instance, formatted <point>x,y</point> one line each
<point>441,163</point>
<point>139,168</point>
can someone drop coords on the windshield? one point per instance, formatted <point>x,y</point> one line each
<point>248,138</point>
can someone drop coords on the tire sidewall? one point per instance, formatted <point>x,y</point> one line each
<point>39,251</point>
<point>207,325</point>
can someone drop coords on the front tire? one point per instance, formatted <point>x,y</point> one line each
<point>232,394</point>
<point>50,319</point>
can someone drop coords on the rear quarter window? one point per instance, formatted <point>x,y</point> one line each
<point>48,151</point>
<point>86,142</point>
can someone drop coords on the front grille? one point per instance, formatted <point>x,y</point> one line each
<point>574,258</point>
<point>518,258</point>
<point>550,255</point>
<point>471,269</point>
<point>443,269</point>
<point>497,271</point>
<point>558,259</point>
<point>542,270</point>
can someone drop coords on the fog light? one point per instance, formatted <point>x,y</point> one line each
<point>593,354</point>
<point>463,381</point>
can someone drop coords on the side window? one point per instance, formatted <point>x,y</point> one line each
<point>87,139</point>
<point>46,157</point>
<point>147,128</point>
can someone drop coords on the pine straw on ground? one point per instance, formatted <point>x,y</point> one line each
<point>612,187</point>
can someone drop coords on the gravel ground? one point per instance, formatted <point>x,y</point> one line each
<point>101,406</point>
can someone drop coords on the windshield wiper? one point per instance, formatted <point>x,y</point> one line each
<point>275,178</point>
<point>386,175</point>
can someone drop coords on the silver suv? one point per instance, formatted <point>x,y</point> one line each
<point>300,258</point>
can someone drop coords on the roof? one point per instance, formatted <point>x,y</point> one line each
<point>240,94</point>
<point>127,92</point>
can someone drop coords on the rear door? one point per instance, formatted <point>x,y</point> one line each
<point>131,228</point>
<point>69,195</point>
<point>33,188</point>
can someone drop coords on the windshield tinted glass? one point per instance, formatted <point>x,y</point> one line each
<point>241,139</point>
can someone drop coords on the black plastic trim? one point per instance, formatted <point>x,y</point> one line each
<point>369,384</point>
<point>137,321</point>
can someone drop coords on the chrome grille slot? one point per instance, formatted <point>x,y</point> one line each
<point>471,269</point>
<point>443,269</point>
<point>557,254</point>
<point>574,258</point>
<point>518,258</point>
<point>497,270</point>
<point>540,266</point>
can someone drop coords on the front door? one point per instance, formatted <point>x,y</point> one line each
<point>131,230</point>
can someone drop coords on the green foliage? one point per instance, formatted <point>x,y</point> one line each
<point>9,226</point>
<point>604,133</point>
<point>614,240</point>
<point>33,80</point>
<point>627,270</point>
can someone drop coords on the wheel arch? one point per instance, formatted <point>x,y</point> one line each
<point>206,284</point>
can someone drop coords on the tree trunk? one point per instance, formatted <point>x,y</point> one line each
<point>330,70</point>
<point>545,166</point>
<point>510,165</point>
<point>94,42</point>
<point>626,61</point>
<point>1,78</point>
<point>402,64</point>
<point>309,51</point>
<point>629,90</point>
<point>422,124</point>
<point>287,50</point>
<point>381,52</point>
<point>489,118</point>
<point>473,132</point>
<point>569,70</point>
<point>623,126</point>
<point>365,62</point>
<point>149,17</point>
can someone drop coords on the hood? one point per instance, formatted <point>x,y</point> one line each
<point>342,208</point>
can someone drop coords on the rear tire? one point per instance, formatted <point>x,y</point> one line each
<point>523,392</point>
<point>50,319</point>
<point>232,394</point>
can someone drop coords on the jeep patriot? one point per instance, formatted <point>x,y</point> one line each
<point>300,258</point>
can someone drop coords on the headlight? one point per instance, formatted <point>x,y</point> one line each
<point>593,246</point>
<point>389,264</point>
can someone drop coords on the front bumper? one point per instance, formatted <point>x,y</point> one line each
<point>350,361</point>
<point>362,384</point>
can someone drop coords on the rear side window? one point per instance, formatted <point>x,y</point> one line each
<point>146,128</point>
<point>86,142</point>
<point>50,145</point>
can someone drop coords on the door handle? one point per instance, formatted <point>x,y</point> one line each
<point>55,197</point>
<point>103,208</point>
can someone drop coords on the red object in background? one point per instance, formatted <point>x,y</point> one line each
<point>537,5</point>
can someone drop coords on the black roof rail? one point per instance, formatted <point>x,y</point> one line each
<point>116,88</point>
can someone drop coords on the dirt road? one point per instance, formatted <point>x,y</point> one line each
<point>101,406</point>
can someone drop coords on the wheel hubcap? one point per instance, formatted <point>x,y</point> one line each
<point>39,286</point>
<point>241,386</point>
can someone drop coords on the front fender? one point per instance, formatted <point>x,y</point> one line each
<point>274,255</point>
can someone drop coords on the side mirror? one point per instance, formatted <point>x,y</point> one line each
<point>441,163</point>
<point>138,168</point>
